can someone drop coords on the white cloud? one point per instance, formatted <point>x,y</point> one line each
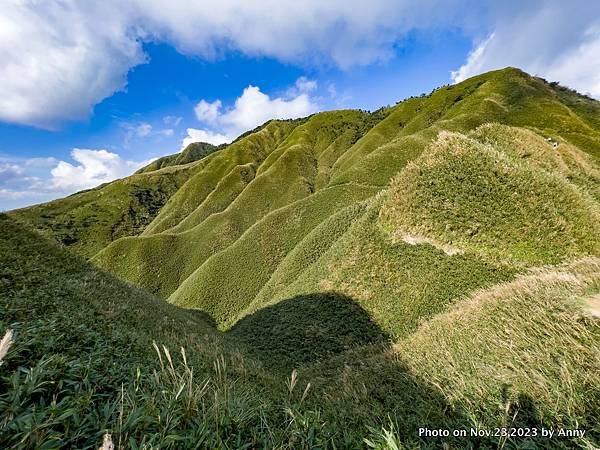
<point>207,112</point>
<point>94,167</point>
<point>474,62</point>
<point>303,84</point>
<point>19,184</point>
<point>167,132</point>
<point>143,130</point>
<point>340,32</point>
<point>41,162</point>
<point>254,107</point>
<point>559,41</point>
<point>137,130</point>
<point>251,109</point>
<point>195,135</point>
<point>61,58</point>
<point>9,171</point>
<point>172,120</point>
<point>24,181</point>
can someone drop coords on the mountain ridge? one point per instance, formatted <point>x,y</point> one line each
<point>428,264</point>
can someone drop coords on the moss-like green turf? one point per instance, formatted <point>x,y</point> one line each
<point>424,265</point>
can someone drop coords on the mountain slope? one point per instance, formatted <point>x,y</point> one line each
<point>193,152</point>
<point>240,215</point>
<point>89,220</point>
<point>521,354</point>
<point>429,264</point>
<point>243,230</point>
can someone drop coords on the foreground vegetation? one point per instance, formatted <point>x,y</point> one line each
<point>92,355</point>
<point>351,279</point>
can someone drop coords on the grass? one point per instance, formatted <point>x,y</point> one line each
<point>472,197</point>
<point>527,347</point>
<point>90,220</point>
<point>398,284</point>
<point>306,329</point>
<point>278,233</point>
<point>281,180</point>
<point>519,354</point>
<point>83,362</point>
<point>216,207</point>
<point>424,265</point>
<point>193,152</point>
<point>92,355</point>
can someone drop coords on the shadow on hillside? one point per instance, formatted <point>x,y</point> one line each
<point>356,378</point>
<point>306,329</point>
<point>373,383</point>
<point>202,316</point>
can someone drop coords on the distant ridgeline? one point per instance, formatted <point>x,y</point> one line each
<point>193,152</point>
<point>452,238</point>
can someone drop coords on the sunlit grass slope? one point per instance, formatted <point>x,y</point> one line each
<point>297,160</point>
<point>89,220</point>
<point>429,264</point>
<point>519,354</point>
<point>398,284</point>
<point>258,252</point>
<point>290,173</point>
<point>461,196</point>
<point>528,347</point>
<point>82,364</point>
<point>253,148</point>
<point>193,152</point>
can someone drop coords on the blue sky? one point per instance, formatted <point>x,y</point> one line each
<point>79,106</point>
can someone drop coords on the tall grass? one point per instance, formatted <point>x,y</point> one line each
<point>5,344</point>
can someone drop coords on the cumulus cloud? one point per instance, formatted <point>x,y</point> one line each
<point>254,107</point>
<point>60,58</point>
<point>339,32</point>
<point>94,167</point>
<point>250,110</point>
<point>207,112</point>
<point>559,41</point>
<point>25,181</point>
<point>195,135</point>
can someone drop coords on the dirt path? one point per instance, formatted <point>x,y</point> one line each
<point>594,305</point>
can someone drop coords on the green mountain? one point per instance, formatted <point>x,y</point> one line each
<point>429,264</point>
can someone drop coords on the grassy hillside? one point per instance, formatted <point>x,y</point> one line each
<point>80,335</point>
<point>88,221</point>
<point>463,196</point>
<point>522,354</point>
<point>216,207</point>
<point>193,152</point>
<point>284,177</point>
<point>426,264</point>
<point>82,363</point>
